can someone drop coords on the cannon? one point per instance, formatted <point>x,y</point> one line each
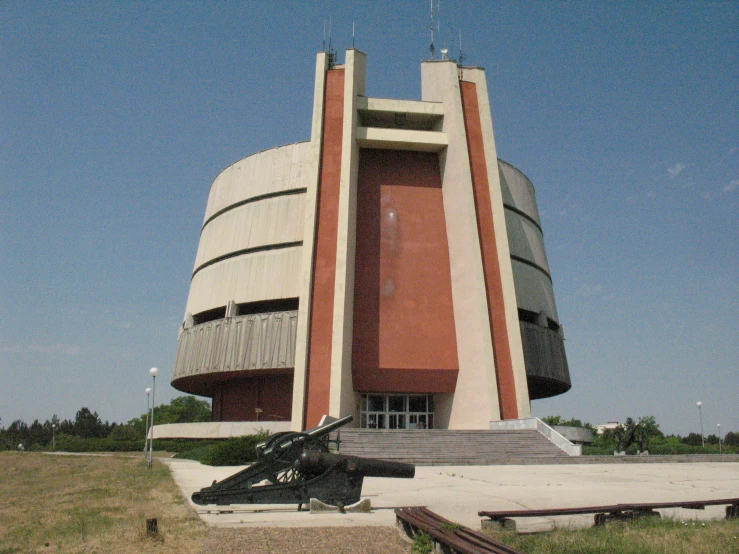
<point>293,467</point>
<point>630,433</point>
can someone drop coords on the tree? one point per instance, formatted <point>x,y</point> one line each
<point>558,420</point>
<point>183,409</point>
<point>87,425</point>
<point>37,434</point>
<point>693,439</point>
<point>651,427</point>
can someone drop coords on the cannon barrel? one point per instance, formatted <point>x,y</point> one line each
<point>285,440</point>
<point>313,463</point>
<point>328,427</point>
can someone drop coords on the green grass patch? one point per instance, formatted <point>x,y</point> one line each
<point>643,536</point>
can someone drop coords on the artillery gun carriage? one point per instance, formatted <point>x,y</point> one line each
<point>293,467</point>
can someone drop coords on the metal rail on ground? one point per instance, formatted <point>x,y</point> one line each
<point>619,511</point>
<point>452,536</point>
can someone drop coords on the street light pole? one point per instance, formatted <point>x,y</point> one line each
<point>53,436</point>
<point>146,429</point>
<point>153,372</point>
<point>700,415</point>
<point>718,425</point>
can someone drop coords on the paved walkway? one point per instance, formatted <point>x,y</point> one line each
<point>459,492</point>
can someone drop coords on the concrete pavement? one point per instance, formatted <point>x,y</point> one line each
<point>459,492</point>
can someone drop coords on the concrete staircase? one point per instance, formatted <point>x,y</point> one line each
<point>444,447</point>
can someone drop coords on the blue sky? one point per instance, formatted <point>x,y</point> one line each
<point>115,117</point>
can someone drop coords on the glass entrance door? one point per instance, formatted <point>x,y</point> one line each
<point>397,411</point>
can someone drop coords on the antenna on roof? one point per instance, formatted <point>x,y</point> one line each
<point>461,55</point>
<point>352,34</point>
<point>434,25</point>
<point>331,53</point>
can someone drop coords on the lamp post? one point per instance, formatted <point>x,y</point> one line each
<point>718,425</point>
<point>700,416</point>
<point>153,372</point>
<point>53,436</point>
<point>146,429</point>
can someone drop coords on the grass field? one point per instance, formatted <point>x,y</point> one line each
<point>91,504</point>
<point>99,504</point>
<point>644,536</point>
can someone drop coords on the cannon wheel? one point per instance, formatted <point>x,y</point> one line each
<point>285,460</point>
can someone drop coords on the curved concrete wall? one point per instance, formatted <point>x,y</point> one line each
<point>215,350</point>
<point>273,170</point>
<point>547,372</point>
<point>251,244</point>
<point>530,267</point>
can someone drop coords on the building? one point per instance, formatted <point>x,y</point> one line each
<point>391,268</point>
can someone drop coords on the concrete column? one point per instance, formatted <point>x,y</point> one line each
<point>475,401</point>
<point>342,400</point>
<point>306,264</point>
<point>477,76</point>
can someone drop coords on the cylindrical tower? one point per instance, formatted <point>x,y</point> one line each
<point>547,373</point>
<point>237,344</point>
<point>391,268</point>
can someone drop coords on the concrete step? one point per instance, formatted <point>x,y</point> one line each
<point>446,447</point>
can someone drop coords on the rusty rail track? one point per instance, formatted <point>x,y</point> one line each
<point>619,511</point>
<point>455,537</point>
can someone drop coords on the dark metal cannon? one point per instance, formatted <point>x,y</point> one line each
<point>294,467</point>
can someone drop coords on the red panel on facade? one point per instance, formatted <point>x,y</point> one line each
<point>318,377</point>
<point>491,265</point>
<point>238,400</point>
<point>404,337</point>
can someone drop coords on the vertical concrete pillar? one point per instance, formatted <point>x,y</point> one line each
<point>309,235</point>
<point>513,335</point>
<point>475,401</point>
<point>342,396</point>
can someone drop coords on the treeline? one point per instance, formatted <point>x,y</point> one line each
<point>87,432</point>
<point>659,443</point>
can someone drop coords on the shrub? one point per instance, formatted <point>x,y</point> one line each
<point>229,452</point>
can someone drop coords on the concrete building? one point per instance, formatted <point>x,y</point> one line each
<point>391,268</point>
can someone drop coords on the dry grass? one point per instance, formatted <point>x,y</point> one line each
<point>99,504</point>
<point>314,540</point>
<point>86,504</point>
<point>91,504</point>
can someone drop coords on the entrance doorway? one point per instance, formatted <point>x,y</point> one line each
<point>397,411</point>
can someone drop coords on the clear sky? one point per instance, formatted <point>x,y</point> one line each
<point>115,117</point>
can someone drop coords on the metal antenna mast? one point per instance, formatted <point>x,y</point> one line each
<point>331,53</point>
<point>461,56</point>
<point>433,28</point>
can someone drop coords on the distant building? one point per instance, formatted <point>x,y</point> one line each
<point>391,268</point>
<point>610,426</point>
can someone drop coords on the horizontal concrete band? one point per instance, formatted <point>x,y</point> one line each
<point>258,198</point>
<point>243,343</point>
<point>218,429</point>
<point>246,251</point>
<point>524,215</point>
<point>532,264</point>
<point>276,169</point>
<point>546,364</point>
